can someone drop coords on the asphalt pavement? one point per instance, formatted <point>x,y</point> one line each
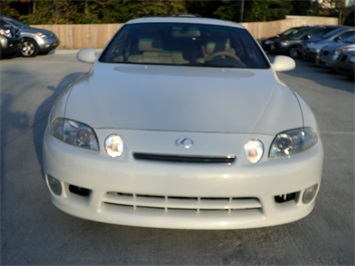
<point>34,232</point>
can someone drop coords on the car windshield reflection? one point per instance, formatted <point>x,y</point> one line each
<point>185,45</point>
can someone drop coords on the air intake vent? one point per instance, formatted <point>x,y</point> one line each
<point>184,159</point>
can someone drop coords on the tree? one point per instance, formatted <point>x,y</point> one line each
<point>253,10</point>
<point>119,11</point>
<point>205,8</point>
<point>302,8</point>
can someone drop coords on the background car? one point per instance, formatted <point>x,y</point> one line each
<point>310,49</point>
<point>268,43</point>
<point>36,41</point>
<point>11,42</point>
<point>345,63</point>
<point>290,44</point>
<point>331,52</point>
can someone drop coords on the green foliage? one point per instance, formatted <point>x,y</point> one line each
<point>119,11</point>
<point>302,8</point>
<point>265,10</point>
<point>7,9</point>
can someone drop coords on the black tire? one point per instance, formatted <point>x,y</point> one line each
<point>293,52</point>
<point>30,48</point>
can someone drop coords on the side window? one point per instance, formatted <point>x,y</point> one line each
<point>3,23</point>
<point>317,33</point>
<point>345,35</point>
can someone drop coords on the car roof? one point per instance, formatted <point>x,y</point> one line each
<point>185,19</point>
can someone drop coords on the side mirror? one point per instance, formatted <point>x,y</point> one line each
<point>87,55</point>
<point>283,63</point>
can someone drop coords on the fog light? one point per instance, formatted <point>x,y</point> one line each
<point>254,150</point>
<point>55,185</point>
<point>309,194</point>
<point>114,145</point>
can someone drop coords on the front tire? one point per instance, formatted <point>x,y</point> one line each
<point>293,52</point>
<point>30,48</point>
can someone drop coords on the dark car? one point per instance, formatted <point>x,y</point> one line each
<point>310,49</point>
<point>11,41</point>
<point>268,43</point>
<point>289,45</point>
<point>35,40</point>
<point>345,64</point>
<point>330,53</point>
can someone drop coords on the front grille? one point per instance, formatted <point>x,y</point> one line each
<point>184,159</point>
<point>166,204</point>
<point>343,58</point>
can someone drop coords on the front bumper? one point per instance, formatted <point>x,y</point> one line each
<point>48,44</point>
<point>132,192</point>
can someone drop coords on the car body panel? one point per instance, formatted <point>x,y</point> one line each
<point>189,105</point>
<point>135,179</point>
<point>345,63</point>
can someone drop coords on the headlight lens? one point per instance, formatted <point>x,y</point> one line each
<point>42,35</point>
<point>292,141</point>
<point>254,150</point>
<point>284,42</point>
<point>74,133</point>
<point>114,145</point>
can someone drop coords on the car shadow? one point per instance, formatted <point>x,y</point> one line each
<point>11,123</point>
<point>42,113</point>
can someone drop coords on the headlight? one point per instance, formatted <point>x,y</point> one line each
<point>6,33</point>
<point>284,42</point>
<point>254,150</point>
<point>114,145</point>
<point>292,141</point>
<point>74,133</point>
<point>352,59</point>
<point>268,42</point>
<point>42,35</point>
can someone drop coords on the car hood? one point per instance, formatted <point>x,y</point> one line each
<point>35,30</point>
<point>176,98</point>
<point>320,44</point>
<point>339,46</point>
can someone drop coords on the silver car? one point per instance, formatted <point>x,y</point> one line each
<point>330,53</point>
<point>35,41</point>
<point>183,123</point>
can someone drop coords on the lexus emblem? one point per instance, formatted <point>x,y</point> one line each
<point>185,143</point>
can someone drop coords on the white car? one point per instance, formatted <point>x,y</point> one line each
<point>183,123</point>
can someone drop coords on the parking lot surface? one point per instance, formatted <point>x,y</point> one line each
<point>34,232</point>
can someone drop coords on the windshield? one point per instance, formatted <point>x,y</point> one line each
<point>349,39</point>
<point>17,24</point>
<point>331,33</point>
<point>184,44</point>
<point>291,31</point>
<point>301,33</point>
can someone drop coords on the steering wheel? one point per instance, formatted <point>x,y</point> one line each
<point>223,53</point>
